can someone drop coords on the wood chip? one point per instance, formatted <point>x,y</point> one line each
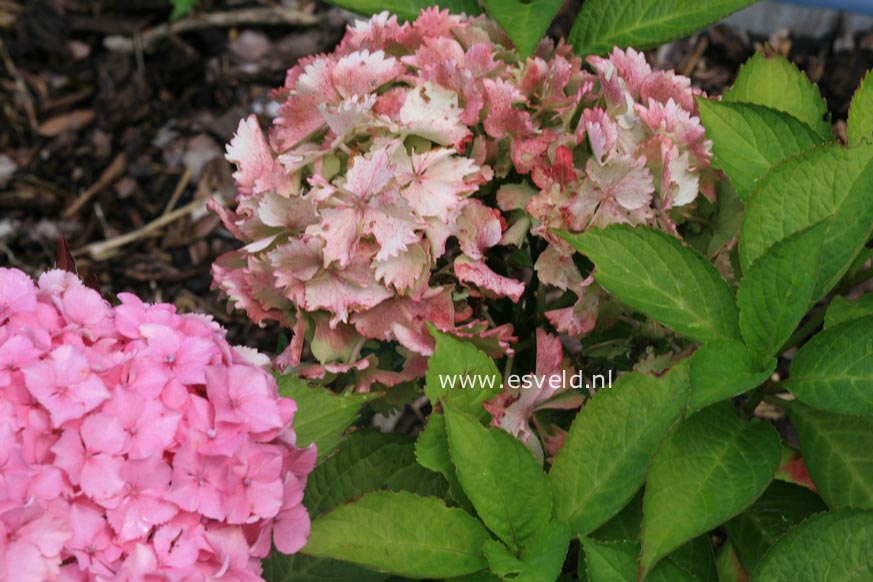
<point>72,121</point>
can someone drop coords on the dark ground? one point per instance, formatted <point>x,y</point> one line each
<point>101,136</point>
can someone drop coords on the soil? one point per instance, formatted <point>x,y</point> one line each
<point>106,128</point>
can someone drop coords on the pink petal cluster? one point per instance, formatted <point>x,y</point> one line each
<point>136,443</point>
<point>361,211</point>
<point>403,164</point>
<point>637,153</point>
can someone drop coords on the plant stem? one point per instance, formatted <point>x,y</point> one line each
<point>805,330</point>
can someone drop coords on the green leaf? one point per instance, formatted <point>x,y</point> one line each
<point>834,370</point>
<point>861,112</point>
<point>541,559</point>
<point>838,450</point>
<point>774,82</point>
<point>781,507</point>
<point>461,374</point>
<point>368,461</point>
<point>501,560</point>
<point>182,8</point>
<point>696,559</point>
<point>545,553</point>
<point>322,415</point>
<point>617,562</point>
<point>625,525</point>
<point>710,468</point>
<point>826,181</point>
<point>501,477</point>
<point>720,370</point>
<point>432,453</point>
<point>525,21</point>
<point>643,24</point>
<point>401,533</point>
<point>654,273</point>
<point>775,291</point>
<point>729,219</point>
<point>279,567</point>
<point>830,547</point>
<point>604,459</point>
<point>747,139</point>
<point>612,562</point>
<point>842,310</point>
<point>728,565</point>
<point>407,9</point>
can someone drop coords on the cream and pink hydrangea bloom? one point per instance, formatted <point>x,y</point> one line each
<point>402,163</point>
<point>404,167</point>
<point>136,443</point>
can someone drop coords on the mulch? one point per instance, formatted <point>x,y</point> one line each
<point>112,126</point>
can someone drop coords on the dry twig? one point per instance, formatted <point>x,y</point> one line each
<point>104,249</point>
<point>180,187</point>
<point>109,175</point>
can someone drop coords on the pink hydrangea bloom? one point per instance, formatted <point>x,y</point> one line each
<point>136,443</point>
<point>374,190</point>
<point>363,191</point>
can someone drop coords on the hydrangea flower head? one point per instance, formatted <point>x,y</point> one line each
<point>136,443</point>
<point>403,166</point>
<point>365,198</point>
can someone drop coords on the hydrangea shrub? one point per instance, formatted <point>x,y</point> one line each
<point>632,224</point>
<point>448,210</point>
<point>136,443</point>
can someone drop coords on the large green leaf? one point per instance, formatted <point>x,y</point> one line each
<point>322,415</point>
<point>826,181</point>
<point>525,21</point>
<point>842,310</point>
<point>643,24</point>
<point>831,547</point>
<point>834,370</point>
<point>501,477</point>
<point>401,533</point>
<point>747,139</point>
<point>654,273</point>
<point>774,82</point>
<point>861,112</point>
<point>694,558</point>
<point>368,461</point>
<point>604,459</point>
<point>710,468</point>
<point>776,290</point>
<point>720,370</point>
<point>838,450</point>
<point>781,507</point>
<point>407,9</point>
<point>459,373</point>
